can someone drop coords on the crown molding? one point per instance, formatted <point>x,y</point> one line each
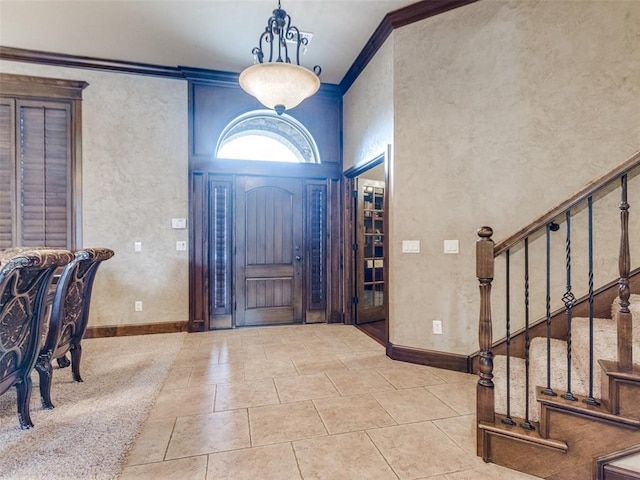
<point>91,63</point>
<point>392,20</point>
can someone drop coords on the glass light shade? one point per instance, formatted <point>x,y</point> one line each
<point>280,86</point>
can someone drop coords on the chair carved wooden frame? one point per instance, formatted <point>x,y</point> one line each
<point>24,281</point>
<point>69,317</point>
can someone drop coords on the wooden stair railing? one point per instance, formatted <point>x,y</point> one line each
<point>486,253</point>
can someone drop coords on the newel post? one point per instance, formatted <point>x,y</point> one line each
<point>484,272</point>
<point>624,323</point>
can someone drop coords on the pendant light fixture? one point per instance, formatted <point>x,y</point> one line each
<point>278,83</point>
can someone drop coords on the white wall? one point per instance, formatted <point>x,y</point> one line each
<point>134,180</point>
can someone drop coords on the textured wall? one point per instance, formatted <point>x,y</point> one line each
<point>368,110</point>
<point>134,181</point>
<point>501,110</point>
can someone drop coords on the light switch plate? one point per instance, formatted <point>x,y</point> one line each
<point>181,245</point>
<point>411,246</point>
<point>179,223</point>
<point>451,246</point>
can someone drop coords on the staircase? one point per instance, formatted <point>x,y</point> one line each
<point>560,399</point>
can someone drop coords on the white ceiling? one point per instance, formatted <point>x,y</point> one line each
<point>213,34</point>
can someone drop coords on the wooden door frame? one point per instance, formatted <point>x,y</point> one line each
<point>349,233</point>
<point>199,261</point>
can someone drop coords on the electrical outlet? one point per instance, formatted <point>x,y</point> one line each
<point>437,327</point>
<point>137,246</point>
<point>180,245</point>
<point>138,306</point>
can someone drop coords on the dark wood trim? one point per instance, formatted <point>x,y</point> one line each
<point>198,252</point>
<point>612,472</point>
<point>425,9</point>
<point>361,167</point>
<point>335,267</point>
<point>349,225</point>
<point>601,462</point>
<point>76,176</point>
<point>51,88</point>
<point>431,358</point>
<point>200,163</point>
<point>386,240</point>
<point>348,287</point>
<point>392,20</point>
<point>63,92</point>
<point>139,329</point>
<point>91,63</point>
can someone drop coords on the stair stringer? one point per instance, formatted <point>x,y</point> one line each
<point>586,436</point>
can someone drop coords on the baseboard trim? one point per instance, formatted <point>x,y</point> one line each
<point>431,358</point>
<point>140,329</point>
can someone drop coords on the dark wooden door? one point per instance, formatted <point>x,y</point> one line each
<point>370,232</point>
<point>269,251</point>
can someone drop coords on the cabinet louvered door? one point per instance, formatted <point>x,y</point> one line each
<point>43,139</point>
<point>7,173</point>
<point>316,264</point>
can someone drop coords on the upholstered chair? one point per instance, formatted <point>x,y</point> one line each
<point>69,317</point>
<point>25,278</point>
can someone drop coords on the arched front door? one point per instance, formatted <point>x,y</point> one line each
<point>269,251</point>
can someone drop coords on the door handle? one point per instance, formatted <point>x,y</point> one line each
<point>298,258</point>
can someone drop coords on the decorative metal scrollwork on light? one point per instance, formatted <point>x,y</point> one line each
<point>280,84</point>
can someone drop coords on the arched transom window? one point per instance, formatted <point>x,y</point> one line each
<point>264,135</point>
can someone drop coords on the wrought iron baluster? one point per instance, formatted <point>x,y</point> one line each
<point>508,420</point>
<point>527,342</point>
<point>569,301</point>
<point>552,226</point>
<point>590,400</point>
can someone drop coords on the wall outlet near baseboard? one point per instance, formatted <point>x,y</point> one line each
<point>437,327</point>
<point>138,306</point>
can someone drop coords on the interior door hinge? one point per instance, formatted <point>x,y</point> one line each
<point>354,300</point>
<point>235,306</point>
<point>354,193</point>
<point>354,246</point>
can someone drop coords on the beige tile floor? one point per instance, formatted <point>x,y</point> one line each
<point>307,402</point>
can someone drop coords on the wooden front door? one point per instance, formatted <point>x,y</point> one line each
<point>269,251</point>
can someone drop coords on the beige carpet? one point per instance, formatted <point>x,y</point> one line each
<point>604,346</point>
<point>88,434</point>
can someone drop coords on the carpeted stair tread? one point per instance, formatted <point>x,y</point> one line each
<point>517,378</point>
<point>605,348</point>
<point>558,366</point>
<point>537,377</point>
